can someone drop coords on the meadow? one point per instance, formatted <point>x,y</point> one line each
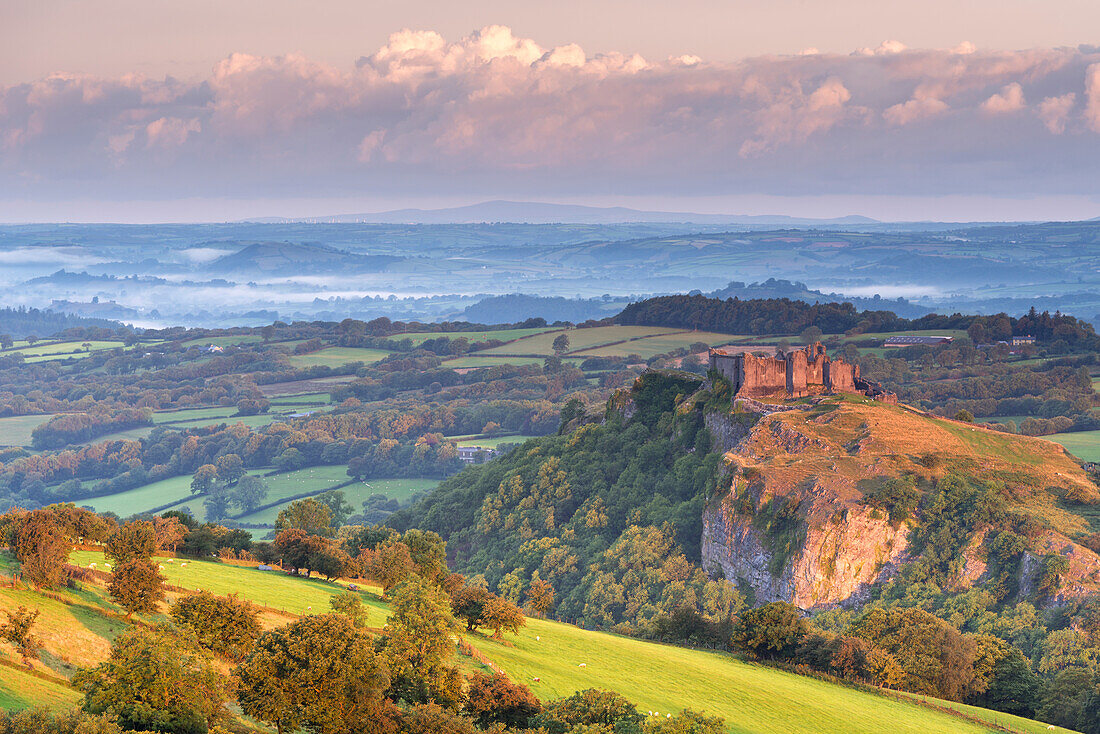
<point>477,360</point>
<point>1084,445</point>
<point>657,678</point>
<point>491,443</point>
<point>16,430</point>
<point>337,357</point>
<point>144,498</point>
<point>399,489</point>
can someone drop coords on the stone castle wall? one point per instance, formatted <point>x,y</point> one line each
<point>800,373</point>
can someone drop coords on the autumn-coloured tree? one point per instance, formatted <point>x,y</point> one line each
<point>501,615</point>
<point>388,565</point>
<point>204,479</point>
<point>137,586</point>
<point>350,604</point>
<point>318,674</point>
<point>420,645</point>
<point>42,547</point>
<point>228,626</point>
<point>540,595</point>
<point>137,539</point>
<point>493,699</point>
<point>17,630</point>
<point>310,515</point>
<point>155,679</point>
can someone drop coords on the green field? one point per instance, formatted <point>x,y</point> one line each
<point>337,357</point>
<point>192,414</point>
<point>398,489</point>
<point>1084,445</point>
<point>579,339</point>
<point>491,443</point>
<point>143,499</point>
<point>666,679</point>
<point>474,336</point>
<point>16,430</point>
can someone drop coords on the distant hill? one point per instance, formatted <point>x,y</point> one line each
<point>291,258</point>
<point>19,322</point>
<point>542,213</point>
<point>518,306</point>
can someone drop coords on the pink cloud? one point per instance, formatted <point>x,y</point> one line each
<point>1009,99</point>
<point>433,109</point>
<point>1054,111</point>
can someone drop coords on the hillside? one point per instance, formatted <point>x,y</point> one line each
<point>77,628</point>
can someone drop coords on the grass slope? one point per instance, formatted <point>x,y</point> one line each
<point>337,357</point>
<point>752,698</point>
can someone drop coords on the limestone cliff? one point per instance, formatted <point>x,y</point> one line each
<point>794,526</point>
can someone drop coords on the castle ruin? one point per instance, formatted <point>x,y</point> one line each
<point>797,374</point>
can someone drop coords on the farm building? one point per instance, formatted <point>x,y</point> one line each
<point>895,342</point>
<point>1022,341</point>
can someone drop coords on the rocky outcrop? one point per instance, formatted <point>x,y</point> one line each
<point>795,524</point>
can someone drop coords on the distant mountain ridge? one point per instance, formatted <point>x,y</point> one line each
<point>531,212</point>
<point>289,258</point>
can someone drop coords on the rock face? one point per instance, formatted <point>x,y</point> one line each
<point>837,565</point>
<point>798,374</point>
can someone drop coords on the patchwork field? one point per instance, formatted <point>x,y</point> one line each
<point>492,443</point>
<point>470,362</point>
<point>337,357</point>
<point>143,499</point>
<point>474,336</point>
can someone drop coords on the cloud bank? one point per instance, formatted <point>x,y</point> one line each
<point>498,113</point>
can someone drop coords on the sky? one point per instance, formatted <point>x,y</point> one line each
<point>121,110</point>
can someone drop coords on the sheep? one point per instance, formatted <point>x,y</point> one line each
<point>583,665</point>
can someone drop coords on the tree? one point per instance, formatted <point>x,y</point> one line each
<point>137,586</point>
<point>310,515</point>
<point>428,552</point>
<point>560,344</point>
<point>540,595</point>
<point>204,479</point>
<point>350,604</point>
<point>431,718</point>
<point>249,493</point>
<point>155,679</point>
<point>228,626</point>
<point>388,565</point>
<point>42,547</point>
<point>17,631</point>
<point>420,647</point>
<point>593,708</point>
<point>493,699</point>
<point>339,508</point>
<point>964,416</point>
<point>230,468</point>
<point>30,338</point>
<point>771,631</point>
<point>468,603</point>
<point>810,335</point>
<point>318,673</point>
<point>1014,687</point>
<point>6,342</point>
<point>137,539</point>
<point>501,615</point>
